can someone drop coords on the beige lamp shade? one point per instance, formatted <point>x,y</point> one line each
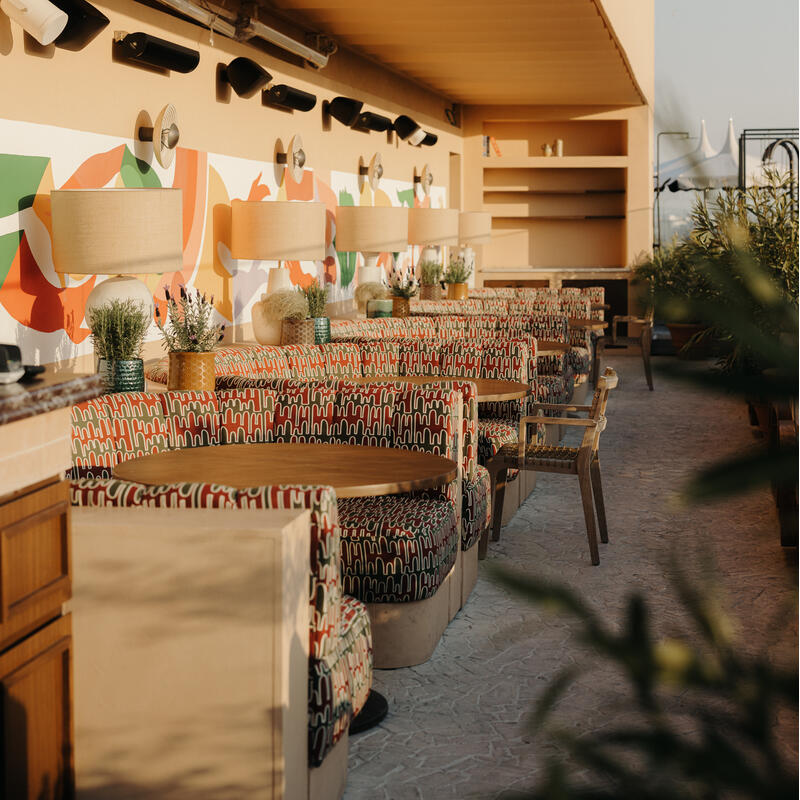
<point>474,227</point>
<point>277,230</point>
<point>371,229</point>
<point>117,231</point>
<point>433,226</point>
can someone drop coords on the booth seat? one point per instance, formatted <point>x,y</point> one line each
<point>397,562</point>
<point>241,367</point>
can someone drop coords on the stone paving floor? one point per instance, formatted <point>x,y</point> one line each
<point>457,724</point>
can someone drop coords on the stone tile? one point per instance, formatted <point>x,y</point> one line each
<point>458,725</point>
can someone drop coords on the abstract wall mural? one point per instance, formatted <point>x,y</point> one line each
<point>43,311</point>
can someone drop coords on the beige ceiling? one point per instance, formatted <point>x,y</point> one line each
<point>484,51</point>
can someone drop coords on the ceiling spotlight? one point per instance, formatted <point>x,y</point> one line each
<point>245,76</point>
<point>344,109</point>
<point>40,18</point>
<point>408,130</point>
<point>289,97</point>
<point>85,22</point>
<point>373,122</point>
<point>429,140</point>
<point>147,49</point>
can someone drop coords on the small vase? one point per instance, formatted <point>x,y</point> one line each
<point>379,308</point>
<point>124,375</point>
<point>322,330</point>
<point>191,372</point>
<point>401,307</point>
<point>431,291</point>
<point>457,291</point>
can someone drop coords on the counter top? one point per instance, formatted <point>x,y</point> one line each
<point>49,391</point>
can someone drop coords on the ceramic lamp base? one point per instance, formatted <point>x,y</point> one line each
<point>121,287</point>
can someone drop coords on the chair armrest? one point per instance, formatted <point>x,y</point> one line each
<point>599,424</point>
<point>623,318</point>
<point>559,407</point>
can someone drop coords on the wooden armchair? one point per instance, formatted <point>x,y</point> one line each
<point>583,461</point>
<point>644,341</point>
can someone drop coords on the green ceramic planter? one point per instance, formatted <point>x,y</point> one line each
<point>122,376</point>
<point>322,330</point>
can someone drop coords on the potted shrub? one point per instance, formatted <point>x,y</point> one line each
<point>403,286</point>
<point>456,276</point>
<point>316,328</point>
<point>669,273</point>
<point>430,277</point>
<point>273,309</point>
<point>118,329</point>
<point>190,333</point>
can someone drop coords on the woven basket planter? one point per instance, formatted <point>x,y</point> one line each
<point>125,375</point>
<point>306,331</point>
<point>430,291</point>
<point>192,372</point>
<point>401,307</point>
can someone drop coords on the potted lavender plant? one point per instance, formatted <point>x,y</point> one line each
<point>403,286</point>
<point>190,333</point>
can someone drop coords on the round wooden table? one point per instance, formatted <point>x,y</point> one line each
<point>352,470</point>
<point>548,347</point>
<point>588,324</point>
<point>489,389</point>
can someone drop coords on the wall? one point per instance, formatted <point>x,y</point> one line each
<point>68,120</point>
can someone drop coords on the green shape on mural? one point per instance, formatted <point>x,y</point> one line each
<point>347,261</point>
<point>137,174</point>
<point>406,197</point>
<point>9,244</point>
<point>21,176</point>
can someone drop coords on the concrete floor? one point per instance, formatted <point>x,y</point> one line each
<point>457,724</point>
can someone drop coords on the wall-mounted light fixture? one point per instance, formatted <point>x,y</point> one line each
<point>429,140</point>
<point>84,23</point>
<point>147,49</point>
<point>245,76</point>
<point>164,135</point>
<point>288,97</point>
<point>408,130</point>
<point>343,109</point>
<point>372,172</point>
<point>40,18</point>
<point>121,232</point>
<point>294,158</point>
<point>372,122</point>
<point>424,180</point>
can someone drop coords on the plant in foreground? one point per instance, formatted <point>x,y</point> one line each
<point>702,682</point>
<point>402,282</point>
<point>118,329</point>
<point>189,326</point>
<point>430,273</point>
<point>457,271</point>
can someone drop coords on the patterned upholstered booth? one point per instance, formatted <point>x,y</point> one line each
<point>396,553</point>
<point>258,365</point>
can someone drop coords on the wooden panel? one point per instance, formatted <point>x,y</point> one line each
<point>546,179</point>
<point>581,138</point>
<point>191,653</point>
<point>35,707</point>
<point>34,560</point>
<point>520,51</point>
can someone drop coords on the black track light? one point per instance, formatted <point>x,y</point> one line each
<point>245,76</point>
<point>373,122</point>
<point>429,140</point>
<point>288,97</point>
<point>147,49</point>
<point>344,109</point>
<point>408,130</point>
<point>84,23</point>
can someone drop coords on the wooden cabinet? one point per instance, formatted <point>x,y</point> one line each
<point>36,738</point>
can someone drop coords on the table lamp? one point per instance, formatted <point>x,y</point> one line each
<point>119,232</point>
<point>432,226</point>
<point>371,230</point>
<point>276,230</point>
<point>474,227</point>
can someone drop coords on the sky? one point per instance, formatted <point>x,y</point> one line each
<point>717,59</point>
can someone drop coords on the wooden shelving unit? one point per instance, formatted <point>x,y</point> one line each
<point>561,212</point>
